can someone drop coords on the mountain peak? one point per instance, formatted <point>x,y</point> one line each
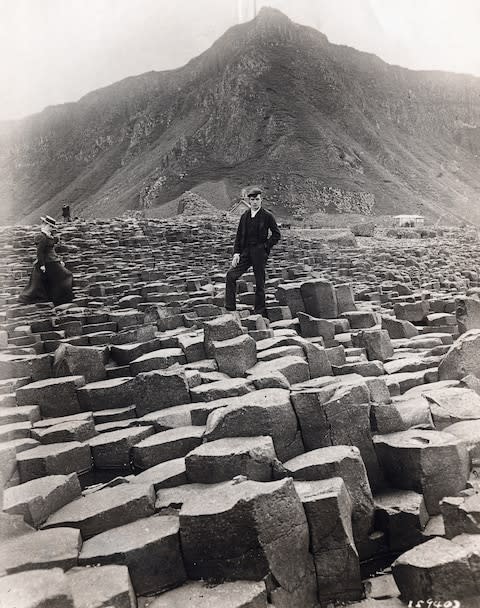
<point>319,126</point>
<point>267,12</point>
<point>272,18</point>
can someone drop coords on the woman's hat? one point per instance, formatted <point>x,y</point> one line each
<point>49,220</point>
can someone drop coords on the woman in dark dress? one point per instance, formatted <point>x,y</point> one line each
<point>50,281</point>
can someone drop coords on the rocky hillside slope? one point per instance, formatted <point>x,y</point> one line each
<point>270,102</point>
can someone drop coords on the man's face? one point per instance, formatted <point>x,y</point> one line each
<point>255,202</point>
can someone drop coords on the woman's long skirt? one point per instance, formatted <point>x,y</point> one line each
<point>53,285</point>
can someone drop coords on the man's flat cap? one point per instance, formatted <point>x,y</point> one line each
<point>254,190</point>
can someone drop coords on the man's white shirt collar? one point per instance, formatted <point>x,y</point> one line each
<point>254,213</point>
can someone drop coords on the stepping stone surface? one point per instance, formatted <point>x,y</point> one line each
<point>268,411</point>
<point>395,325</point>
<point>223,459</point>
<point>101,586</point>
<point>149,547</point>
<point>193,594</point>
<point>36,589</point>
<point>54,459</point>
<point>244,542</point>
<point>112,450</point>
<point>42,549</point>
<point>432,463</point>
<point>167,445</point>
<point>105,509</point>
<point>39,498</point>
<point>55,396</point>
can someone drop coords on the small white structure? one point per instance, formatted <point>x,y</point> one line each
<point>239,207</point>
<point>409,221</point>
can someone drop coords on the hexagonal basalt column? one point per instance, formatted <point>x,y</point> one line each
<point>432,463</point>
<point>244,531</point>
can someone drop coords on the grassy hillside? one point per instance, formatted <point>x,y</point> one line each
<point>271,102</point>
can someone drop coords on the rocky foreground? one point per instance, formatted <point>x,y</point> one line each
<point>158,452</point>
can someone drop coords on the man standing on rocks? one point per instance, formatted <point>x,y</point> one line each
<point>252,248</point>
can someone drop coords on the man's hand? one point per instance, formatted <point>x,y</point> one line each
<point>42,268</point>
<point>236,259</point>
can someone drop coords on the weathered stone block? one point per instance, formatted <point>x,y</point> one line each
<point>467,312</point>
<point>55,396</point>
<point>451,405</point>
<point>37,499</point>
<point>295,369</point>
<point>43,549</point>
<point>313,327</point>
<point>345,298</point>
<point>415,312</point>
<point>166,445</point>
<point>192,347</point>
<point>224,327</point>
<point>86,361</point>
<point>345,462</point>
<point>199,594</point>
<point>73,430</point>
<point>165,475</point>
<point>469,432</point>
<point>36,589</point>
<point>328,509</point>
<point>54,459</point>
<point>244,540</point>
<point>360,319</point>
<point>113,450</point>
<point>432,463</point>
<point>398,328</point>
<point>236,355</point>
<point>338,415</point>
<point>463,358</point>
<point>160,389</point>
<point>289,294</point>
<point>221,389</point>
<point>107,394</point>
<point>36,367</point>
<point>108,508</point>
<point>401,515</point>
<point>401,414</point>
<point>376,343</point>
<point>21,413</point>
<point>157,359</point>
<point>438,569</point>
<point>149,547</point>
<point>101,586</point>
<point>223,459</point>
<point>461,515</point>
<point>266,412</point>
<point>319,298</point>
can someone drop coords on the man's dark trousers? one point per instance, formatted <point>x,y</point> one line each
<point>256,256</point>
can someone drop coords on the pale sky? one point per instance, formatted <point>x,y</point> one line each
<point>53,51</point>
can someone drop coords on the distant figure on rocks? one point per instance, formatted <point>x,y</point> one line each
<point>50,281</point>
<point>252,248</point>
<point>66,213</point>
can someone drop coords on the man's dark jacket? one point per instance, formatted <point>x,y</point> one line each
<point>266,221</point>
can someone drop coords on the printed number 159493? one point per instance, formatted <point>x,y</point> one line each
<point>434,604</point>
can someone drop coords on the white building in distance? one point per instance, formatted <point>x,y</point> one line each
<point>411,221</point>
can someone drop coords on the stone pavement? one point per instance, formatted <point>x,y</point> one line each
<point>156,451</point>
